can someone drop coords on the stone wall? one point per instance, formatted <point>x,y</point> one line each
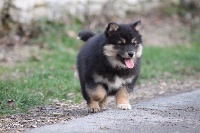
<point>60,10</point>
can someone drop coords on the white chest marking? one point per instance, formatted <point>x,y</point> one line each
<point>115,84</point>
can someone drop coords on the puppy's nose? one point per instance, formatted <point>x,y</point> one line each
<point>131,53</point>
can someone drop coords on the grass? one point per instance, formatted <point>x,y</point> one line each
<point>176,61</point>
<point>52,78</point>
<point>41,81</point>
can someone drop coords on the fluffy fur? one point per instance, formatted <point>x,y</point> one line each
<point>109,64</point>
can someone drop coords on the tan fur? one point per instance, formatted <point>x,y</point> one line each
<point>122,96</point>
<point>115,84</point>
<point>138,27</point>
<point>93,107</point>
<point>98,99</point>
<point>103,103</point>
<point>109,50</point>
<point>123,40</point>
<point>115,63</point>
<point>119,42</point>
<point>111,53</point>
<point>139,51</point>
<point>122,99</point>
<point>113,27</point>
<point>98,94</point>
<point>133,40</point>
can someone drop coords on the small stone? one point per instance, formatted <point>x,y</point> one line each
<point>21,129</point>
<point>33,126</point>
<point>56,113</point>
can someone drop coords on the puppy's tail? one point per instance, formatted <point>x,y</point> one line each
<point>84,35</point>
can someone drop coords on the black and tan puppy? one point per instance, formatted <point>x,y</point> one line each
<point>109,64</point>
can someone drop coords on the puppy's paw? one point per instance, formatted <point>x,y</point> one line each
<point>94,110</point>
<point>93,107</point>
<point>124,106</point>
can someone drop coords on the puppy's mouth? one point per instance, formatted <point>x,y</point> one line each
<point>129,63</point>
<point>126,61</point>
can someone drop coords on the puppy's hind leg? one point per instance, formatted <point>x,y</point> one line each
<point>97,96</point>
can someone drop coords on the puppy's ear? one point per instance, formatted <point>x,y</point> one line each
<point>111,29</point>
<point>137,25</point>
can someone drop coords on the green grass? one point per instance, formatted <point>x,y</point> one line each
<point>176,61</point>
<point>52,78</point>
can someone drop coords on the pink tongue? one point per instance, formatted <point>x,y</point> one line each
<point>129,63</point>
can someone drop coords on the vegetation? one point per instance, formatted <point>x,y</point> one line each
<point>52,77</point>
<point>176,61</point>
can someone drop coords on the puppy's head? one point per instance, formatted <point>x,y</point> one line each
<point>124,44</point>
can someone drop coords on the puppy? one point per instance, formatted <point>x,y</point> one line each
<point>109,64</point>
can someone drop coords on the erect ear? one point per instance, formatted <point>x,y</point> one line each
<point>137,25</point>
<point>111,29</point>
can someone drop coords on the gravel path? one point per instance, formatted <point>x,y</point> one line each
<point>172,114</point>
<point>64,111</point>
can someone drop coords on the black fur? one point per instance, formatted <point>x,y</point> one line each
<point>92,60</point>
<point>85,35</point>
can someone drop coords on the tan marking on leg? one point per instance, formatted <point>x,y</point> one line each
<point>97,95</point>
<point>122,99</point>
<point>103,103</point>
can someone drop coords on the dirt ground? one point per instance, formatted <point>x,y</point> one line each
<point>65,110</point>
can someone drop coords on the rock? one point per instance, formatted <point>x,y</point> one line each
<point>33,126</point>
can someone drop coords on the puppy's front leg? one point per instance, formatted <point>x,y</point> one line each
<point>122,99</point>
<point>98,98</point>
